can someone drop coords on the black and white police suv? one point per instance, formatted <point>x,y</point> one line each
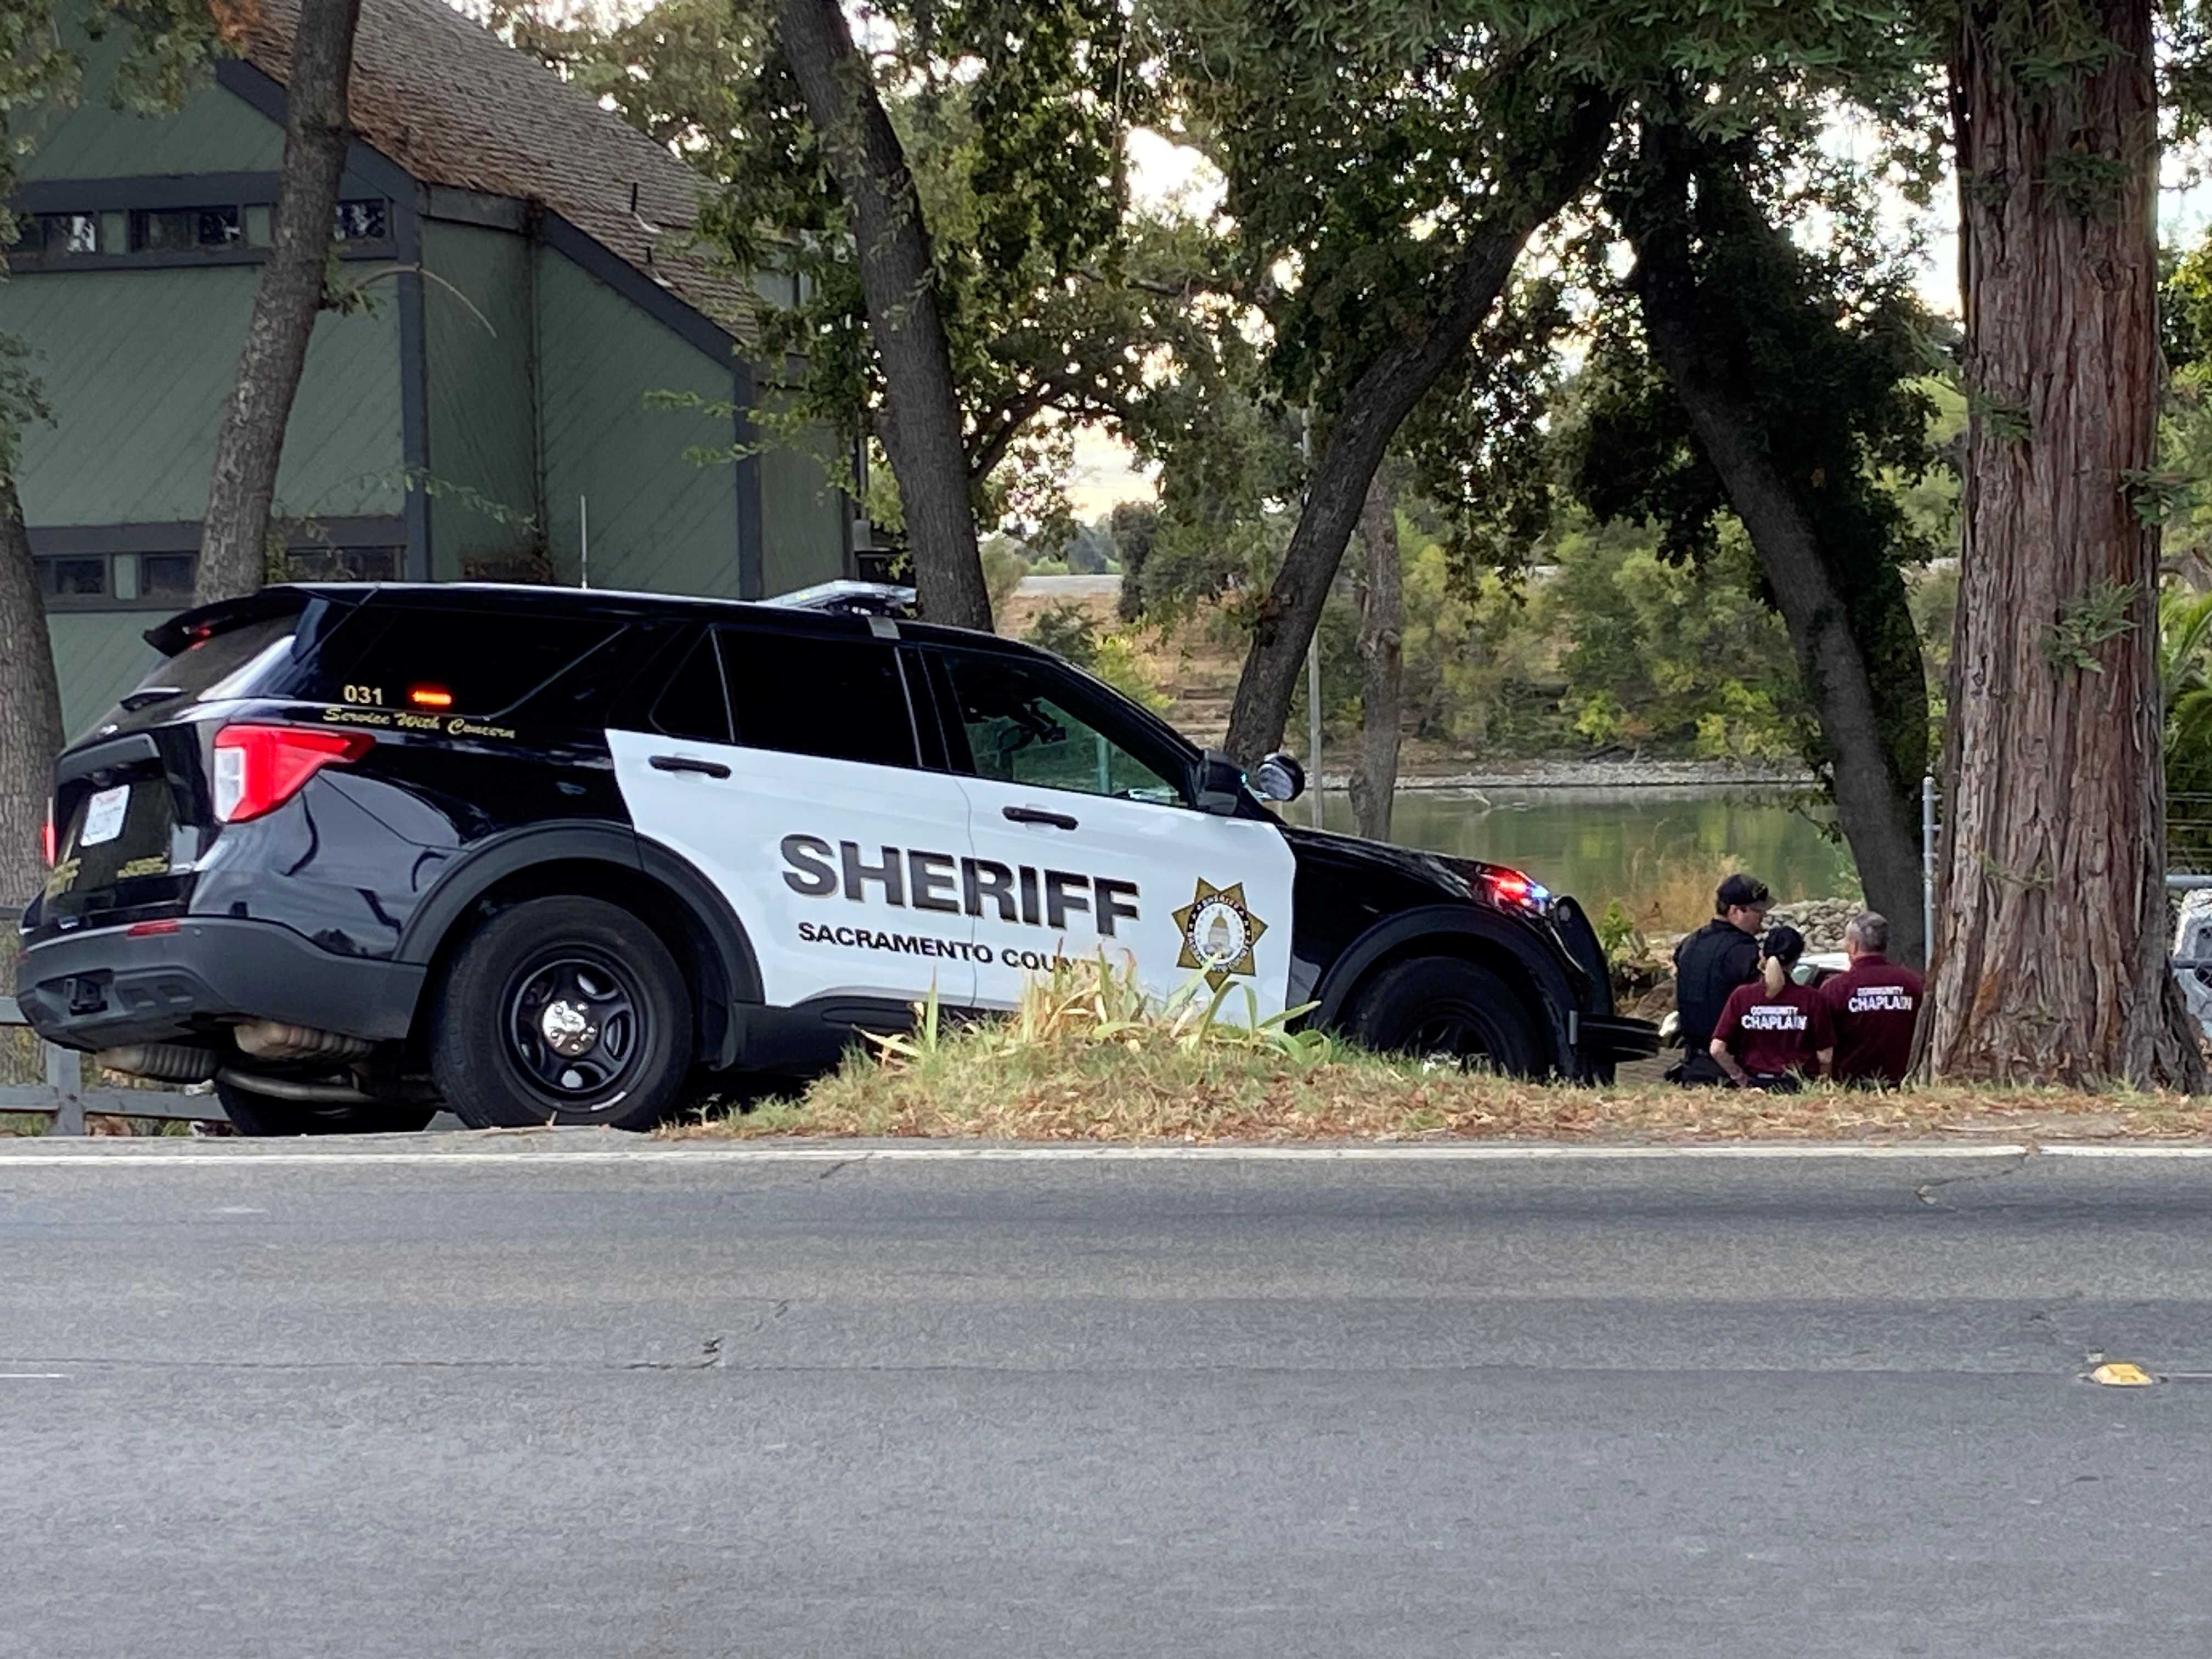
<point>545,855</point>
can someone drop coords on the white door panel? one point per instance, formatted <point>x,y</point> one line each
<point>1178,892</point>
<point>846,877</point>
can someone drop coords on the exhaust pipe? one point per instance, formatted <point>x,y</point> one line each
<point>285,1088</point>
<point>163,1062</point>
<point>268,1039</point>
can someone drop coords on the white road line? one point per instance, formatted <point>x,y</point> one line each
<point>822,1152</point>
<point>33,1377</point>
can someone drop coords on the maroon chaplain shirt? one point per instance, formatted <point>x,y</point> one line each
<point>1771,1035</point>
<point>1874,1005</point>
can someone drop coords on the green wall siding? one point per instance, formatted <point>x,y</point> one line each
<point>136,364</point>
<point>802,516</point>
<point>214,131</point>
<point>659,522</point>
<point>100,655</point>
<point>481,419</point>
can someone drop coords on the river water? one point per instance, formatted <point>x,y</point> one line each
<point>1633,844</point>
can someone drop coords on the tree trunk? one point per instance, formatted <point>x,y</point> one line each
<point>922,429</point>
<point>1382,623</point>
<point>1377,402</point>
<point>2050,962</point>
<point>233,539</point>
<point>30,715</point>
<point>1857,651</point>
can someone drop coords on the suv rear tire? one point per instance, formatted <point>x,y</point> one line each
<point>251,1113</point>
<point>1447,1006</point>
<point>562,1011</point>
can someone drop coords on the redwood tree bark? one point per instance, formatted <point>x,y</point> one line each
<point>923,429</point>
<point>30,715</point>
<point>233,537</point>
<point>1382,663</point>
<point>1537,186</point>
<point>2050,962</point>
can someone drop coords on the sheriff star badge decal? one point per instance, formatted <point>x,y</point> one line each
<point>1218,933</point>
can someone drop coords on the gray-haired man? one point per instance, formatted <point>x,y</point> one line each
<point>1874,1005</point>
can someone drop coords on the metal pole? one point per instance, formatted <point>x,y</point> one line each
<point>1313,719</point>
<point>584,541</point>
<point>1313,644</point>
<point>1928,869</point>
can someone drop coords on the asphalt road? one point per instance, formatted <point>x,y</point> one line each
<point>1795,1408</point>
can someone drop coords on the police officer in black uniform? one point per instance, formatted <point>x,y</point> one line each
<point>1712,963</point>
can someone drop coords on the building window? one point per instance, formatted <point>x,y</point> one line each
<point>342,564</point>
<point>184,230</point>
<point>362,222</point>
<point>59,235</point>
<point>73,578</point>
<point>165,578</point>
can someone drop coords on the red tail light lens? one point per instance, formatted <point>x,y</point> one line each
<point>46,844</point>
<point>258,767</point>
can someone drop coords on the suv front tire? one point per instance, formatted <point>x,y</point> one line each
<point>563,1010</point>
<point>1448,1008</point>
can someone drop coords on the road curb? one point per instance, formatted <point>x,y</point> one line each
<point>598,1147</point>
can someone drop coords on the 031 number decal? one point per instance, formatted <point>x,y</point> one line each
<point>365,694</point>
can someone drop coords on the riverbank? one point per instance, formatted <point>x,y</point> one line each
<point>1569,772</point>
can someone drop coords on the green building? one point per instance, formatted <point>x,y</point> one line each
<point>533,380</point>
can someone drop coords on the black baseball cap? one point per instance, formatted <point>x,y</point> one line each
<point>1741,892</point>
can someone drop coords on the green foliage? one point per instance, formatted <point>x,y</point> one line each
<point>2095,618</point>
<point>1135,526</point>
<point>2087,183</point>
<point>1004,567</point>
<point>1068,631</point>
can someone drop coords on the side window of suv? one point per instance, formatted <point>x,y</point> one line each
<point>838,696</point>
<point>1027,725</point>
<point>694,704</point>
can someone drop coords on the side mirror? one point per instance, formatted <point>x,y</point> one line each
<point>1220,781</point>
<point>1281,778</point>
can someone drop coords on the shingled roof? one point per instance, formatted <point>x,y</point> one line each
<point>456,106</point>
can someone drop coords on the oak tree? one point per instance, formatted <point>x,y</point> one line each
<point>318,36</point>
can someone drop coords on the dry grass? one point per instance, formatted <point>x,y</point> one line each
<point>1075,1066</point>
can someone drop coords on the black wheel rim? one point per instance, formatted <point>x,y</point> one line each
<point>1452,1033</point>
<point>576,1028</point>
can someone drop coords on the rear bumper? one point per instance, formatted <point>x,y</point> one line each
<point>106,988</point>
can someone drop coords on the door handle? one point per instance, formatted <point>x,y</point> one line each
<point>686,763</point>
<point>1038,815</point>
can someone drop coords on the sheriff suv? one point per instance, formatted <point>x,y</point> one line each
<point>547,856</point>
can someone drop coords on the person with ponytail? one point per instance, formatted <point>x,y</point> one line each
<point>1773,1033</point>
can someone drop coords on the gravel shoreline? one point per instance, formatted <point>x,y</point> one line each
<point>1601,774</point>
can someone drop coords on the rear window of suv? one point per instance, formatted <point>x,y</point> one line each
<point>461,661</point>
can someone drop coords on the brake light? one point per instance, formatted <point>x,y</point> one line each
<point>46,834</point>
<point>431,696</point>
<point>258,767</point>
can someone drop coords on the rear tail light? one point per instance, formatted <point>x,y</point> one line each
<point>258,767</point>
<point>46,836</point>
